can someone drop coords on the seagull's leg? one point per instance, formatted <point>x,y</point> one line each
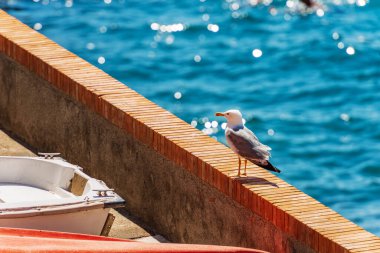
<point>245,167</point>
<point>239,167</point>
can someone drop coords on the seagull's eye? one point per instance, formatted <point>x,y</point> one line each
<point>228,113</point>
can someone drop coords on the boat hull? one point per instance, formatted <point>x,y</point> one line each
<point>84,222</point>
<point>22,240</point>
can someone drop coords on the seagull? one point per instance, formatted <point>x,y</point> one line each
<point>245,143</point>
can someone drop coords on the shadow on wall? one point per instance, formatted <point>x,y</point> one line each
<point>255,181</point>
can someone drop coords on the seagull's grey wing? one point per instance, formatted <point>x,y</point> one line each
<point>247,145</point>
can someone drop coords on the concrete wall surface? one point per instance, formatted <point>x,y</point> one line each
<point>175,178</point>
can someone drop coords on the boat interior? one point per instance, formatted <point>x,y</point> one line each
<point>42,181</point>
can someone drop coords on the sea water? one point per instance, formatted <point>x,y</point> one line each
<point>307,82</point>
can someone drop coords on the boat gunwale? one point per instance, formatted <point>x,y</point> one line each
<point>51,210</point>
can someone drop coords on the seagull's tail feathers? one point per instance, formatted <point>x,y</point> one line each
<point>270,167</point>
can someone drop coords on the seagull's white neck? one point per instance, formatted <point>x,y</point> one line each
<point>235,123</point>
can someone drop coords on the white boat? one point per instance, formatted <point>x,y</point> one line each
<point>49,193</point>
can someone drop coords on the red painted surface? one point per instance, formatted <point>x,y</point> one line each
<point>26,240</point>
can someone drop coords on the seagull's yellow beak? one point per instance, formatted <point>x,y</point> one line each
<point>219,114</point>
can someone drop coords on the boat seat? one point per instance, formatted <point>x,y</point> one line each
<point>77,184</point>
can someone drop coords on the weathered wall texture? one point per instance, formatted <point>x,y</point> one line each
<point>172,200</point>
<point>175,178</point>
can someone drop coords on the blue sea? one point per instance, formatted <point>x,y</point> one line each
<point>306,81</point>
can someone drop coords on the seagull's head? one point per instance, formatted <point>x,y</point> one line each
<point>234,117</point>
